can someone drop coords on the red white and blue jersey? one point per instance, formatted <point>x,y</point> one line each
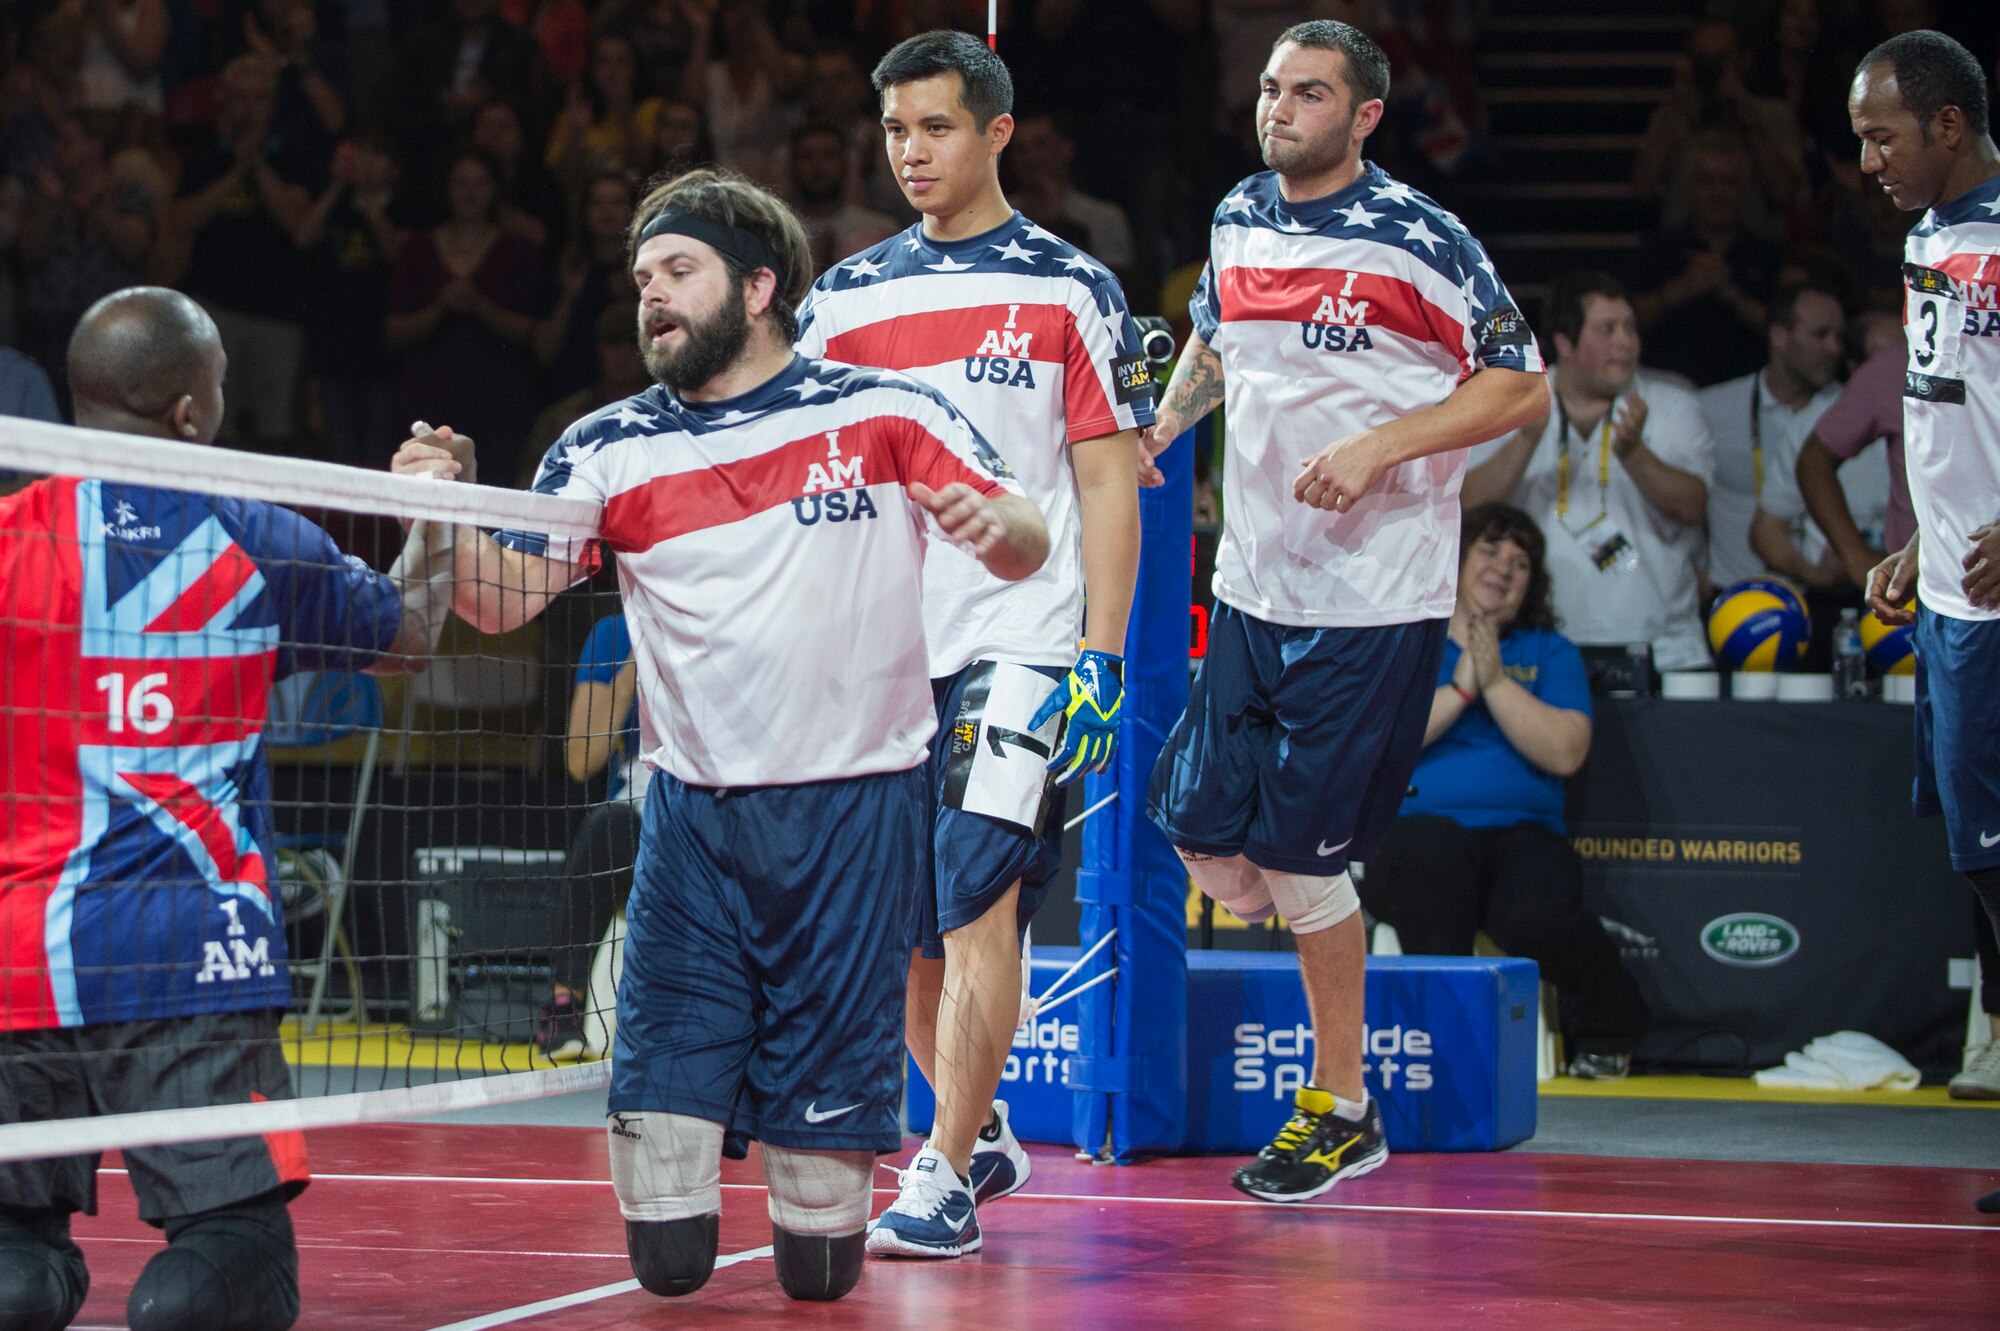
<point>1332,316</point>
<point>1951,389</point>
<point>771,564</point>
<point>143,631</point>
<point>1031,339</point>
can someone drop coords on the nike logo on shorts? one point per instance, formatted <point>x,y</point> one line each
<point>1326,850</point>
<point>1988,842</point>
<point>814,1114</point>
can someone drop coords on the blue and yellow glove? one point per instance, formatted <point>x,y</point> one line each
<point>1089,696</point>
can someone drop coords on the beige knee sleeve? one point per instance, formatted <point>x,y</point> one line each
<point>819,1193</point>
<point>665,1166</point>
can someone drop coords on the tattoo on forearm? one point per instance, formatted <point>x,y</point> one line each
<point>1196,388</point>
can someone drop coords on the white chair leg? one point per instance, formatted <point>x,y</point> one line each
<point>1978,1030</point>
<point>1545,1039</point>
<point>600,1005</point>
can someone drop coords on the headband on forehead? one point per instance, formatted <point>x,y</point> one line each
<point>746,247</point>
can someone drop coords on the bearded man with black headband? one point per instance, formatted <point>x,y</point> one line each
<point>769,514</point>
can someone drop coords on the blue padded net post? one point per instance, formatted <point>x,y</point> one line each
<point>1130,1078</point>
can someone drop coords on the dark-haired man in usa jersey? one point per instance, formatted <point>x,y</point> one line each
<point>1363,341</point>
<point>1030,338</point>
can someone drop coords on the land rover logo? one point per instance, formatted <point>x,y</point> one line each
<point>1749,939</point>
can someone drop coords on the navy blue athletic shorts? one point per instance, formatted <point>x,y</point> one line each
<point>976,858</point>
<point>1958,734</point>
<point>1297,744</point>
<point>767,939</point>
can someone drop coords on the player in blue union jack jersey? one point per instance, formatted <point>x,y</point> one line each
<point>1364,342</point>
<point>142,949</point>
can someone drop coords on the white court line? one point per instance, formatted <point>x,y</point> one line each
<point>562,1301</point>
<point>1372,1208</point>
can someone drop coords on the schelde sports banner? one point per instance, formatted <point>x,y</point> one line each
<point>1449,1049</point>
<point>1763,878</point>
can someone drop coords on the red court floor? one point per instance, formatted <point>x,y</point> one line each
<point>412,1227</point>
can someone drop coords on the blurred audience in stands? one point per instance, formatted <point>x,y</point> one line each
<point>352,239</point>
<point>590,275</point>
<point>818,193</point>
<point>243,195</point>
<point>463,304</point>
<point>1709,97</point>
<point>611,120</point>
<point>1038,164</point>
<point>282,160</point>
<point>1701,285</point>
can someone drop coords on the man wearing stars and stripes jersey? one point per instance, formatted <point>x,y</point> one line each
<point>1363,341</point>
<point>1031,339</point>
<point>770,516</point>
<point>1919,104</point>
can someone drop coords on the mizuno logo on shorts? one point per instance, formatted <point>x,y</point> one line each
<point>814,1114</point>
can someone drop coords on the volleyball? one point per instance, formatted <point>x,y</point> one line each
<point>1890,648</point>
<point>1759,624</point>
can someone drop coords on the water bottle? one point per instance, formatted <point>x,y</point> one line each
<point>1850,666</point>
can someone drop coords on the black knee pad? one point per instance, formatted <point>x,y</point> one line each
<point>235,1268</point>
<point>42,1276</point>
<point>673,1257</point>
<point>815,1267</point>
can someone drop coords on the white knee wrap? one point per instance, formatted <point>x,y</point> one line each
<point>1233,881</point>
<point>819,1193</point>
<point>665,1166</point>
<point>1309,903</point>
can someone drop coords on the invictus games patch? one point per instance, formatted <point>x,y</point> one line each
<point>1134,381</point>
<point>1928,281</point>
<point>1505,328</point>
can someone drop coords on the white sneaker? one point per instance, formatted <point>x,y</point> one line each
<point>933,1216</point>
<point>1979,1079</point>
<point>999,1164</point>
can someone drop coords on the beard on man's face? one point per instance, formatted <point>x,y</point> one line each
<point>708,346</point>
<point>1302,157</point>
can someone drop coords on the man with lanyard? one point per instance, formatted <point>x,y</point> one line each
<point>1030,338</point>
<point>1758,421</point>
<point>1617,476</point>
<point>769,513</point>
<point>1919,104</point>
<point>1363,340</point>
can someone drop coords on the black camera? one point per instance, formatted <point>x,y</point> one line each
<point>1156,339</point>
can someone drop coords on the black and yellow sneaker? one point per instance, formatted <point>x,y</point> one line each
<point>1315,1150</point>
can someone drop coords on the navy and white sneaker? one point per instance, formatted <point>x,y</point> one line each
<point>934,1216</point>
<point>999,1164</point>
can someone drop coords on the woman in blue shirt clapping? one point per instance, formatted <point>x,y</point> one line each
<point>1480,843</point>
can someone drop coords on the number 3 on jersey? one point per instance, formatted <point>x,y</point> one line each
<point>1936,321</point>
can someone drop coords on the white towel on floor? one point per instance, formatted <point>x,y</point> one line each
<point>1844,1061</point>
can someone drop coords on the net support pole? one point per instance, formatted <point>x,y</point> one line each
<point>1130,1074</point>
